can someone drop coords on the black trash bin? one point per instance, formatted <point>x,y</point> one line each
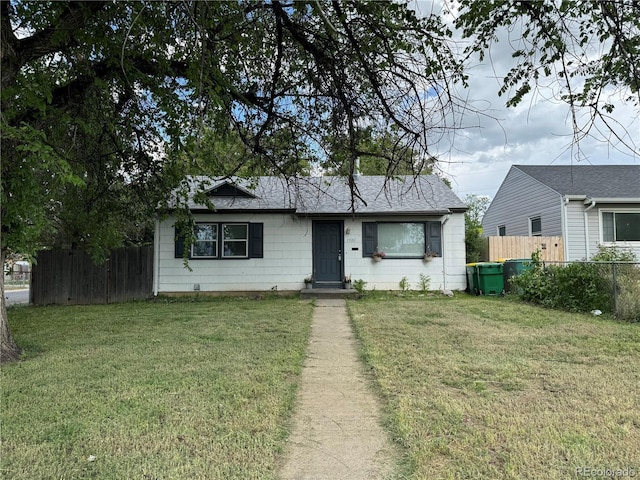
<point>514,267</point>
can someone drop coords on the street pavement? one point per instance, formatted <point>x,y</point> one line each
<point>17,297</point>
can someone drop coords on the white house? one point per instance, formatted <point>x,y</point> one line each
<point>587,205</point>
<point>271,233</point>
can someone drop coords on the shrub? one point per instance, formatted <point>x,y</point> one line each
<point>577,287</point>
<point>425,280</point>
<point>585,286</point>
<point>359,285</point>
<point>613,254</point>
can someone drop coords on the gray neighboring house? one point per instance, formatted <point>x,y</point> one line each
<point>587,205</point>
<point>271,233</point>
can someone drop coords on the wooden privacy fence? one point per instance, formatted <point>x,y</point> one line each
<point>71,277</point>
<point>551,248</point>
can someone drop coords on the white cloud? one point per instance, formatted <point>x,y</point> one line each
<point>538,131</point>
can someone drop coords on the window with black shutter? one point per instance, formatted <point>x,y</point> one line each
<point>222,240</point>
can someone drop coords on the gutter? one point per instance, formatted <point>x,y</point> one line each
<point>443,246</point>
<point>615,199</point>
<point>156,257</point>
<point>565,225</point>
<point>361,213</point>
<point>586,227</point>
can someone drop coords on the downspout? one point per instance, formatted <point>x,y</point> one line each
<point>565,226</point>
<point>156,257</point>
<point>444,260</point>
<point>586,229</point>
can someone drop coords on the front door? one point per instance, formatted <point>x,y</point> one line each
<point>327,254</point>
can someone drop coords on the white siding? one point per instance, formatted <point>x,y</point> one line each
<point>519,198</point>
<point>286,262</point>
<point>575,245</point>
<point>444,272</point>
<point>288,258</point>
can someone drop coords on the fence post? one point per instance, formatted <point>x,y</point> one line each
<point>615,288</point>
<point>107,266</point>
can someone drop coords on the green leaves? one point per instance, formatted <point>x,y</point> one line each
<point>588,50</point>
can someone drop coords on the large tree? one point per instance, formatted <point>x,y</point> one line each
<point>476,207</point>
<point>99,99</point>
<point>94,91</point>
<point>377,152</point>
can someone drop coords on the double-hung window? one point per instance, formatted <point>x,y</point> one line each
<point>205,243</point>
<point>621,226</point>
<point>235,240</point>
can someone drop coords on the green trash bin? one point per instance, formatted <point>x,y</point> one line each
<point>490,278</point>
<point>514,267</point>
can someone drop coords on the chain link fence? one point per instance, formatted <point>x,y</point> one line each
<point>17,279</point>
<point>611,287</point>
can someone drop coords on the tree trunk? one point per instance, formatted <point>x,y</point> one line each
<point>9,350</point>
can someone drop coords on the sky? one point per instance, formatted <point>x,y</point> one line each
<point>537,132</point>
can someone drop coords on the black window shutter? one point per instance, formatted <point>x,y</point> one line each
<point>256,240</point>
<point>179,243</point>
<point>369,238</point>
<point>435,237</point>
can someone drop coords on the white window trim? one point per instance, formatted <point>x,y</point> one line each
<point>531,234</point>
<point>215,251</point>
<point>245,240</point>
<point>498,230</point>
<point>601,226</point>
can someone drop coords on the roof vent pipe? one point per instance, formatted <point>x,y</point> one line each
<point>356,167</point>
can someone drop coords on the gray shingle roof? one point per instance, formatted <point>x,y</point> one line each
<point>425,194</point>
<point>595,181</point>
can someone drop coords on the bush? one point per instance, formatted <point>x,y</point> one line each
<point>585,286</point>
<point>577,287</point>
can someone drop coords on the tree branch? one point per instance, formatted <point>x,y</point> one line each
<point>18,52</point>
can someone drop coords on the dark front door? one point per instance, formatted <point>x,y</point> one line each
<point>327,254</point>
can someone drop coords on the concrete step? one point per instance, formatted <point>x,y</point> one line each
<point>311,293</point>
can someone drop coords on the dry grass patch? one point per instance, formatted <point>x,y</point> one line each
<point>198,390</point>
<point>487,388</point>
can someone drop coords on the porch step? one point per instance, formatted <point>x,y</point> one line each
<point>310,293</point>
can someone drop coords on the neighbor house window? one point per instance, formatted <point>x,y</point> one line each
<point>206,240</point>
<point>402,239</point>
<point>536,226</point>
<point>621,227</point>
<point>235,240</point>
<point>502,230</point>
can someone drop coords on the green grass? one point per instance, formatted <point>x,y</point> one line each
<point>167,390</point>
<point>485,388</point>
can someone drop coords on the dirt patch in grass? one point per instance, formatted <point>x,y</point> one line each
<point>198,390</point>
<point>489,388</point>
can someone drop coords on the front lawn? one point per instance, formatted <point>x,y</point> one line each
<point>167,390</point>
<point>485,388</point>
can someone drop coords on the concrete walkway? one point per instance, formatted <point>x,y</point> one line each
<point>336,432</point>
